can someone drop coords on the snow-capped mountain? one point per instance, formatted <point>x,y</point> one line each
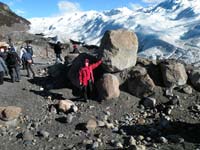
<point>170,29</point>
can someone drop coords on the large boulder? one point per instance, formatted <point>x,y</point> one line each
<point>140,84</point>
<point>195,79</point>
<point>119,50</point>
<point>108,87</point>
<point>10,113</point>
<point>173,73</point>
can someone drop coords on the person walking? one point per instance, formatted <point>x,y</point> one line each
<point>13,62</point>
<point>58,51</point>
<point>3,69</point>
<point>86,78</point>
<point>28,61</point>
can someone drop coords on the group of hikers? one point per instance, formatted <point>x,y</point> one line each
<point>10,61</point>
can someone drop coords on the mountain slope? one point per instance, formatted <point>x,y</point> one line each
<point>169,29</point>
<point>9,18</point>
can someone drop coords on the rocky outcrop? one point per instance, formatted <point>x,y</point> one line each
<point>9,18</point>
<point>108,87</point>
<point>119,49</point>
<point>173,73</point>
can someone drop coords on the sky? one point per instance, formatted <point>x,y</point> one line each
<point>46,8</point>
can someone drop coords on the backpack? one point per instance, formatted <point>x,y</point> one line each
<point>29,49</point>
<point>27,57</point>
<point>12,59</point>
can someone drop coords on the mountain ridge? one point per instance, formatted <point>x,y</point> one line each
<point>167,30</point>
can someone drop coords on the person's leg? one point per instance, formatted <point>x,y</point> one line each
<point>1,77</point>
<point>90,90</point>
<point>60,58</point>
<point>31,69</point>
<point>85,93</point>
<point>27,69</point>
<point>12,74</point>
<point>17,70</point>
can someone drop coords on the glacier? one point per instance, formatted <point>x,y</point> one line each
<point>170,29</point>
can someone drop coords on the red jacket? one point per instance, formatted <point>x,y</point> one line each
<point>86,73</point>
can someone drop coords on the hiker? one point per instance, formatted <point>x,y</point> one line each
<point>29,48</point>
<point>11,46</point>
<point>3,69</point>
<point>75,49</point>
<point>13,62</point>
<point>28,61</point>
<point>22,52</point>
<point>58,50</point>
<point>86,78</point>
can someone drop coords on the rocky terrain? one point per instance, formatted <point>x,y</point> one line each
<point>149,105</point>
<point>137,104</point>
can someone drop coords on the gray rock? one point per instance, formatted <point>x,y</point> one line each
<point>195,78</point>
<point>43,133</point>
<point>149,102</point>
<point>108,87</point>
<point>91,124</point>
<point>95,145</point>
<point>100,123</point>
<point>69,118</point>
<point>60,135</point>
<point>141,86</point>
<point>163,140</point>
<point>187,89</point>
<point>173,73</point>
<point>132,141</point>
<point>119,49</point>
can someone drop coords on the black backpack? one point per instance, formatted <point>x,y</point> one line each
<point>12,59</point>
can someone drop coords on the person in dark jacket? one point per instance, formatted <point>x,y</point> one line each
<point>13,62</point>
<point>58,51</point>
<point>28,61</point>
<point>3,70</point>
<point>86,77</point>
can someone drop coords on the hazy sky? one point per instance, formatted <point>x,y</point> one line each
<point>46,8</point>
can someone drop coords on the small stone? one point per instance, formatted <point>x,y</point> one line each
<point>149,102</point>
<point>60,135</point>
<point>44,134</point>
<point>132,141</point>
<point>100,123</point>
<point>163,140</point>
<point>74,108</point>
<point>187,89</point>
<point>141,121</point>
<point>91,124</point>
<point>140,137</point>
<point>41,89</point>
<point>95,145</point>
<point>119,145</point>
<point>69,118</point>
<point>87,142</point>
<point>109,125</point>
